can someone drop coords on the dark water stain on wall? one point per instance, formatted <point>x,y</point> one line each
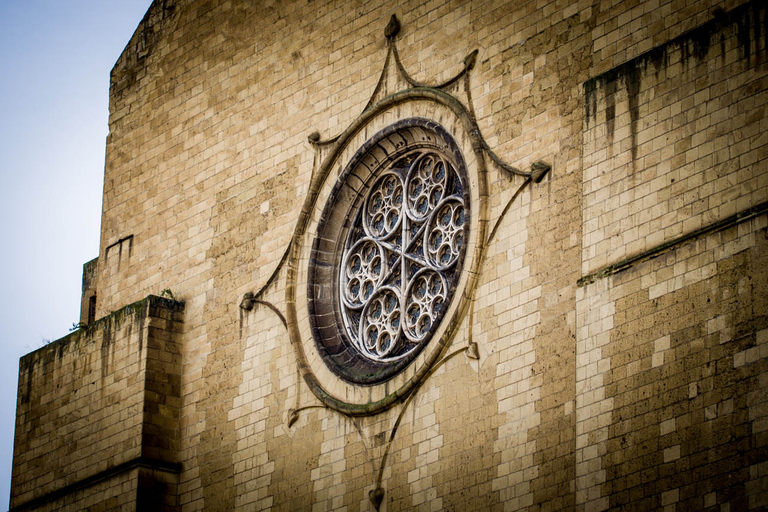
<point>750,23</point>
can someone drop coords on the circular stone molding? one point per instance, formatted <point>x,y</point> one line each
<point>388,252</point>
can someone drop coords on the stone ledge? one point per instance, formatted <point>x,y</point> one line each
<point>138,462</point>
<point>720,225</point>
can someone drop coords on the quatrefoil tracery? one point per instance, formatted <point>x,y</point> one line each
<point>400,257</point>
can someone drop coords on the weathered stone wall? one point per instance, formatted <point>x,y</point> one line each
<point>97,409</point>
<point>673,139</point>
<point>115,493</point>
<point>671,389</point>
<point>619,313</point>
<point>675,202</point>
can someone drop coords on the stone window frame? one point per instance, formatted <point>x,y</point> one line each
<point>372,160</point>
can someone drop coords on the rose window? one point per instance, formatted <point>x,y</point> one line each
<point>402,256</point>
<point>388,252</point>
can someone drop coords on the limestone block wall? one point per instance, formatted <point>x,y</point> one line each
<point>673,138</point>
<point>671,386</point>
<point>672,297</point>
<point>97,410</point>
<point>116,493</point>
<point>619,310</point>
<point>207,167</point>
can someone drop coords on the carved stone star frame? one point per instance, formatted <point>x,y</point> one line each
<point>433,109</point>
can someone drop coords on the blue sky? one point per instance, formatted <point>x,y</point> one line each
<point>55,59</point>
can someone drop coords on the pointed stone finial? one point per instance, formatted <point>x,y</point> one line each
<point>293,417</point>
<point>393,27</point>
<point>469,60</point>
<point>539,170</point>
<point>247,302</point>
<point>376,496</point>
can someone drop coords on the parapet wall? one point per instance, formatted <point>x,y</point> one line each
<point>97,407</point>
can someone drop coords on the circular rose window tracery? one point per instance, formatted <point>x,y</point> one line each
<point>389,251</point>
<point>397,260</point>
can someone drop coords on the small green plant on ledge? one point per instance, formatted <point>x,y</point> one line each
<point>76,326</point>
<point>168,294</point>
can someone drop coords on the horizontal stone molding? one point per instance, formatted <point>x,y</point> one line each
<point>720,225</point>
<point>101,476</point>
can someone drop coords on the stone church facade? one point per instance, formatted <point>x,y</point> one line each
<point>420,255</point>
